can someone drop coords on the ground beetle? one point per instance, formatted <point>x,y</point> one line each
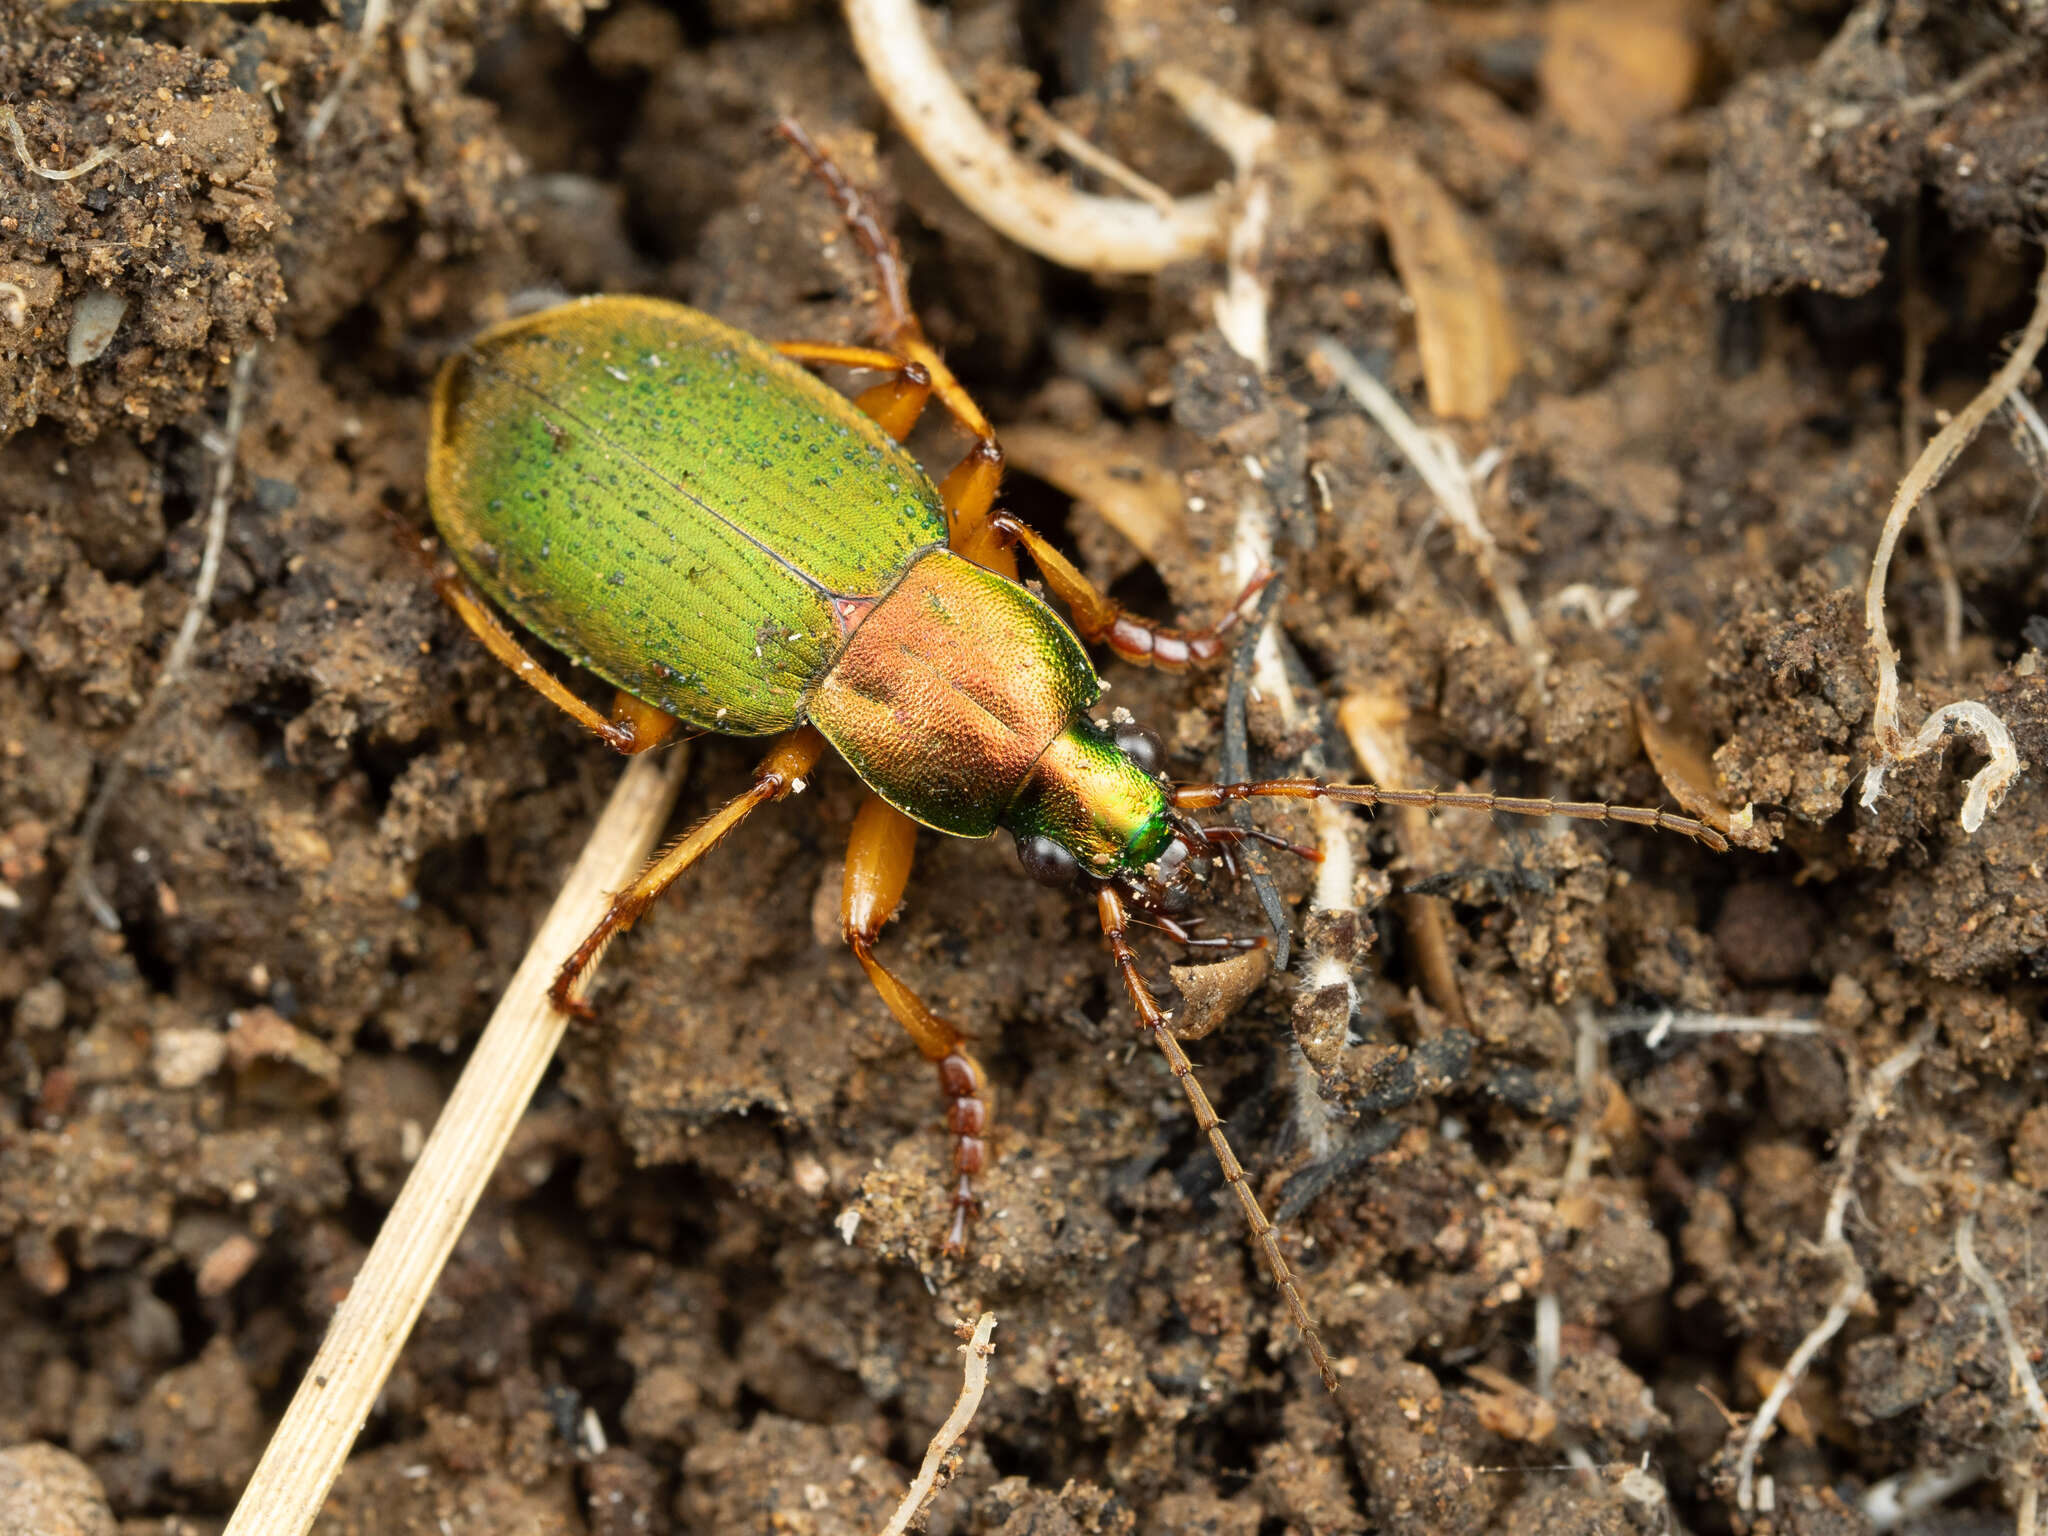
<point>689,514</point>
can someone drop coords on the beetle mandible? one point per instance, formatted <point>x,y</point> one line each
<point>688,513</point>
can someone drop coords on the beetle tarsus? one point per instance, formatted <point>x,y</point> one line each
<point>866,225</point>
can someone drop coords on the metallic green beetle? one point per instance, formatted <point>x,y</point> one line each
<point>691,515</point>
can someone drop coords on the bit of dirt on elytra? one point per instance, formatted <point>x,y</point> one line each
<point>330,853</point>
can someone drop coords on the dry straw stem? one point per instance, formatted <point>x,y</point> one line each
<point>2023,1379</point>
<point>79,880</point>
<point>1875,1101</point>
<point>1990,781</point>
<point>1447,478</point>
<point>371,1325</point>
<point>977,1350</point>
<point>1032,207</point>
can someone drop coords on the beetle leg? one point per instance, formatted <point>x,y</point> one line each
<point>1099,617</point>
<point>1153,1021</point>
<point>970,490</point>
<point>650,727</point>
<point>792,757</point>
<point>969,494</point>
<point>632,728</point>
<point>895,405</point>
<point>878,856</point>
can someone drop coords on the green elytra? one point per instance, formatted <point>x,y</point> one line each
<point>709,527</point>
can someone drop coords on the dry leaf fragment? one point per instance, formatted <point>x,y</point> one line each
<point>1614,68</point>
<point>1119,476</point>
<point>1466,334</point>
<point>1211,993</point>
<point>1509,1409</point>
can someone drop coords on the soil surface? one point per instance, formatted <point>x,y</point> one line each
<point>1746,257</point>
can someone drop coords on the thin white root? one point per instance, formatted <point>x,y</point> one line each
<point>370,1327</point>
<point>1240,309</point>
<point>1876,1100</point>
<point>375,14</point>
<point>1251,552</point>
<point>1241,132</point>
<point>1890,745</point>
<point>1101,162</point>
<point>977,1350</point>
<point>98,157</point>
<point>2022,1380</point>
<point>1448,479</point>
<point>79,879</point>
<point>1666,1022</point>
<point>2033,433</point>
<point>1549,1341</point>
<point>1588,1038</point>
<point>1037,210</point>
<point>2030,1511</point>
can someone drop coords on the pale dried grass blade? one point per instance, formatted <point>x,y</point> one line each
<point>371,1325</point>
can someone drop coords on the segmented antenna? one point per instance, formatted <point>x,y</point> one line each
<point>1203,797</point>
<point>1151,1018</point>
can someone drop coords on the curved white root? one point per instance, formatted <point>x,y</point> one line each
<point>1034,208</point>
<point>1891,746</point>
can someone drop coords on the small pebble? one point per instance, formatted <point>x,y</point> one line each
<point>46,1491</point>
<point>94,320</point>
<point>185,1058</point>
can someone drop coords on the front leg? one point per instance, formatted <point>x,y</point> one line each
<point>878,858</point>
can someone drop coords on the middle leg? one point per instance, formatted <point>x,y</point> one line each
<point>878,857</point>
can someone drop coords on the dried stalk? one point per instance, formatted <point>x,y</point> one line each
<point>370,1327</point>
<point>977,1350</point>
<point>1447,478</point>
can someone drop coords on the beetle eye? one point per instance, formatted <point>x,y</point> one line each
<point>1141,746</point>
<point>1047,862</point>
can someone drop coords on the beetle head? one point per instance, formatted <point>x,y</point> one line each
<point>1094,807</point>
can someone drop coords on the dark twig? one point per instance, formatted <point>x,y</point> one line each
<point>1237,763</point>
